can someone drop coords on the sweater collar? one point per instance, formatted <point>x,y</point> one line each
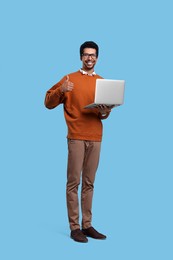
<point>85,73</point>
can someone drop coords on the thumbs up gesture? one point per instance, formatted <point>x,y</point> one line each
<point>67,86</point>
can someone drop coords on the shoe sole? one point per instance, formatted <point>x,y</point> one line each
<point>79,241</point>
<point>104,238</point>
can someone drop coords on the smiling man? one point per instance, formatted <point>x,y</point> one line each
<point>75,91</point>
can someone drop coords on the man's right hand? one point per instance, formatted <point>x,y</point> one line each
<point>67,85</point>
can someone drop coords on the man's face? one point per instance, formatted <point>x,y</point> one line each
<point>89,58</point>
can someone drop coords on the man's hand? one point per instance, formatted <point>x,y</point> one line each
<point>103,109</point>
<point>67,85</point>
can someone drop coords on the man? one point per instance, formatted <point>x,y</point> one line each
<point>75,91</point>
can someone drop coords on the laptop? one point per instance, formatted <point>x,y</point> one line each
<point>109,92</point>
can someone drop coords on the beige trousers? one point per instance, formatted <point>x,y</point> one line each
<point>83,158</point>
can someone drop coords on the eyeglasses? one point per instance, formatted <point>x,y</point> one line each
<point>87,55</point>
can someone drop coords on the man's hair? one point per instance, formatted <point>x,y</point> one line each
<point>89,44</point>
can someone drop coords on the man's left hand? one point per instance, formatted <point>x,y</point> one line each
<point>103,109</point>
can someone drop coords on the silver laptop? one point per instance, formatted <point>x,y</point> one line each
<point>108,92</point>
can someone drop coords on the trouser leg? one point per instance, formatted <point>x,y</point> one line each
<point>91,160</point>
<point>76,151</point>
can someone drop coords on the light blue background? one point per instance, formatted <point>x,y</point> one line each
<point>133,190</point>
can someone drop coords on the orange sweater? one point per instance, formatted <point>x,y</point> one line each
<point>83,124</point>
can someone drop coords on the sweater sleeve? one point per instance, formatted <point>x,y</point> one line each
<point>54,96</point>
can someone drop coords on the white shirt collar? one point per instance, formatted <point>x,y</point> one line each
<point>85,73</point>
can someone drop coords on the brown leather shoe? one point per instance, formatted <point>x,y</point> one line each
<point>91,232</point>
<point>78,236</point>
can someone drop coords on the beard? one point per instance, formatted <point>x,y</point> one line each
<point>89,66</point>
